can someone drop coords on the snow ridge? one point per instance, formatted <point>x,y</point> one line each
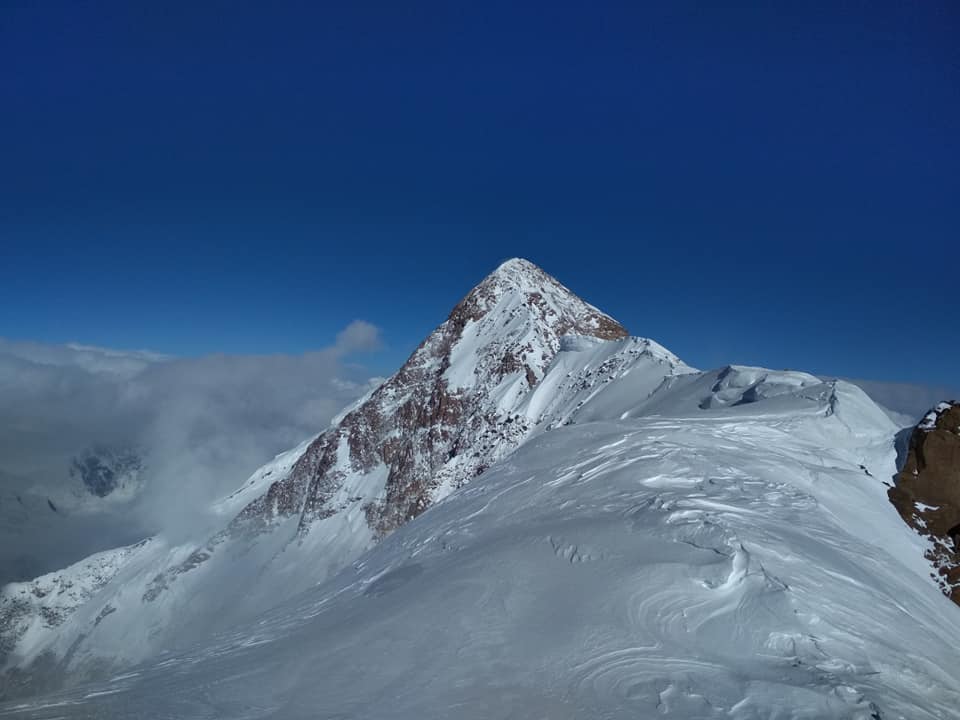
<point>611,533</point>
<point>700,558</point>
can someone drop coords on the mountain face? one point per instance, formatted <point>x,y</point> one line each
<point>927,492</point>
<point>448,414</point>
<point>537,516</point>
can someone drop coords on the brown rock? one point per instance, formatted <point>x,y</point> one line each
<point>927,491</point>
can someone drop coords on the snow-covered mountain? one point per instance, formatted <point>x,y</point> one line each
<point>537,516</point>
<point>447,415</point>
<point>517,355</point>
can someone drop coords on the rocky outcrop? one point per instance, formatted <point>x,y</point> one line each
<point>927,491</point>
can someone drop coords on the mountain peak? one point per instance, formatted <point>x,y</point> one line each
<point>519,287</point>
<point>428,429</point>
<point>523,275</point>
<point>516,266</point>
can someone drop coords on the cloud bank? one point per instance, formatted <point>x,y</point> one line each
<point>909,401</point>
<point>203,425</point>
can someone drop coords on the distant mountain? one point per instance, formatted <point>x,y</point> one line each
<point>536,516</point>
<point>103,471</point>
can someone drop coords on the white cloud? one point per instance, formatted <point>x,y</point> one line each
<point>87,357</point>
<point>204,424</point>
<point>358,336</point>
<point>909,401</point>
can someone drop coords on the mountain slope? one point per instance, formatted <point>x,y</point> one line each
<point>517,355</point>
<point>720,547</point>
<point>537,516</point>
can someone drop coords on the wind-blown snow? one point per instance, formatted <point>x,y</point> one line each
<point>170,593</point>
<point>609,533</point>
<point>714,554</point>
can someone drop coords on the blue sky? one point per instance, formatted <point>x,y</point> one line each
<point>765,185</point>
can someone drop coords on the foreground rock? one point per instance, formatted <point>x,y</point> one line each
<point>927,491</point>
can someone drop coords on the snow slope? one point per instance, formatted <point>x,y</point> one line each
<point>720,548</point>
<point>517,355</point>
<point>537,516</point>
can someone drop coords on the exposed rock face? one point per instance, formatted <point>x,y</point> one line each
<point>445,416</point>
<point>927,491</point>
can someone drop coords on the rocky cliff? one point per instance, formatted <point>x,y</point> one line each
<point>927,491</point>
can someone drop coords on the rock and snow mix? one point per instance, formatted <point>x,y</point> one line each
<point>926,492</point>
<point>929,421</point>
<point>537,517</point>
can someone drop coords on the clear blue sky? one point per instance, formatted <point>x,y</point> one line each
<point>766,185</point>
